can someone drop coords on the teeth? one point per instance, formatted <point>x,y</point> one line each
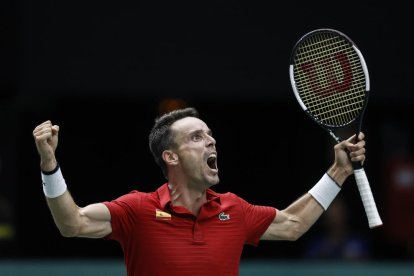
<point>211,160</point>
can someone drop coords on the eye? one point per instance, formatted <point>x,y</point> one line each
<point>197,137</point>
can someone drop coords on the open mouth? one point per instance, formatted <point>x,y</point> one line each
<point>212,161</point>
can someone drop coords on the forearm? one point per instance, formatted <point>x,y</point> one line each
<point>310,206</point>
<point>303,213</point>
<point>92,221</point>
<point>306,208</point>
<point>64,210</point>
<point>292,222</point>
<point>65,214</point>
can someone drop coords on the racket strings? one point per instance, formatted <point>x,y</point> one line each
<point>330,79</point>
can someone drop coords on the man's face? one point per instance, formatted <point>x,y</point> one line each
<point>196,150</point>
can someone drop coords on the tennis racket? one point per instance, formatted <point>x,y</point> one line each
<point>330,80</point>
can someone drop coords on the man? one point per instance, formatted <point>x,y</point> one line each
<point>184,227</point>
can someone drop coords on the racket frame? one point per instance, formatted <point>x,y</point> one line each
<point>331,129</point>
<point>374,219</point>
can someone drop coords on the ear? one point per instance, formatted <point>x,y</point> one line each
<point>170,157</point>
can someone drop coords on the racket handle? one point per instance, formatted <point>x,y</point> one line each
<point>371,211</point>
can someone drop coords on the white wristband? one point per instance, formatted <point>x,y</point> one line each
<point>54,184</point>
<point>325,191</point>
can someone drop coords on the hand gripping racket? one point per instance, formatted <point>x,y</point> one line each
<point>330,80</point>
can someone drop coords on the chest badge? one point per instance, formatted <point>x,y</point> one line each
<point>160,215</point>
<point>224,216</point>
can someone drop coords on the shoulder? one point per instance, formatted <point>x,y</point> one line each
<point>134,197</point>
<point>229,198</point>
<point>131,195</point>
<point>130,203</point>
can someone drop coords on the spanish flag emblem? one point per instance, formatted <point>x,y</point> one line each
<point>160,215</point>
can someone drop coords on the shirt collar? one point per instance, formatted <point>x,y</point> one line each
<point>165,198</point>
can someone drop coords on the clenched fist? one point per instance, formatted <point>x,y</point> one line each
<point>46,139</point>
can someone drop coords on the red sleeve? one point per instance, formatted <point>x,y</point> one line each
<point>257,220</point>
<point>123,212</point>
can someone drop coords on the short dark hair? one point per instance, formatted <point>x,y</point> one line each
<point>160,137</point>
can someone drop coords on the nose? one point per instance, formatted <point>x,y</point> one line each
<point>210,140</point>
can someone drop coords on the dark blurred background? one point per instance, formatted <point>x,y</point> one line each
<point>104,70</point>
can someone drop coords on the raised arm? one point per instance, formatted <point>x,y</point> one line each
<point>92,221</point>
<point>292,222</point>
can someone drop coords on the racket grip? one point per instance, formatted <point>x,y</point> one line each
<point>368,201</point>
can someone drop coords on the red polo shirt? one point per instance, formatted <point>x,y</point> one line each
<point>160,239</point>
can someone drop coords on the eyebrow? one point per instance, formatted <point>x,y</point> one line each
<point>209,131</point>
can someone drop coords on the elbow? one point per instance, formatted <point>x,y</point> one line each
<point>296,231</point>
<point>69,227</point>
<point>293,235</point>
<point>69,231</point>
<point>67,234</point>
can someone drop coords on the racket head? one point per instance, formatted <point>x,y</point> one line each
<point>329,78</point>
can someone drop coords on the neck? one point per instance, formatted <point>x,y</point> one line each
<point>185,196</point>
